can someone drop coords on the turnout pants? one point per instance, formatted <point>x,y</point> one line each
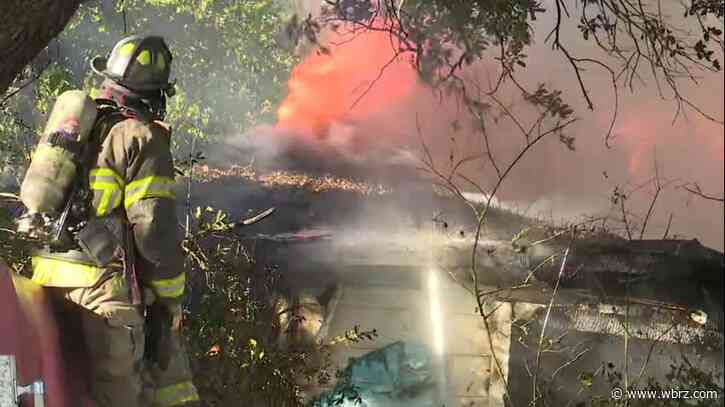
<point>113,334</point>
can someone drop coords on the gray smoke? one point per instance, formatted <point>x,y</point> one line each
<point>272,148</point>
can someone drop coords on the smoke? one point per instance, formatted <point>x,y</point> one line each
<point>336,116</point>
<point>646,135</point>
<point>324,120</point>
<point>360,112</point>
<point>271,148</point>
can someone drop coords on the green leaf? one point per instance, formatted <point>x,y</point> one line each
<point>586,379</point>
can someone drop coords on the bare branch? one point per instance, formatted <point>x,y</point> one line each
<point>372,83</point>
<point>651,350</point>
<point>27,83</point>
<point>570,362</point>
<point>546,321</point>
<point>658,189</point>
<point>624,219</point>
<point>498,290</point>
<point>557,45</point>
<point>667,229</point>
<point>696,190</point>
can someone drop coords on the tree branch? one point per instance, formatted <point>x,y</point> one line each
<point>697,191</point>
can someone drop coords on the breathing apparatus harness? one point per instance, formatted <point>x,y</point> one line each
<point>74,233</point>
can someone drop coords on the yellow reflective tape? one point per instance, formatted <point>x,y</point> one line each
<point>60,273</point>
<point>175,394</point>
<point>110,198</point>
<point>149,187</point>
<point>144,57</point>
<point>144,182</point>
<point>170,288</point>
<point>107,172</point>
<point>127,49</point>
<point>160,61</point>
<point>109,187</point>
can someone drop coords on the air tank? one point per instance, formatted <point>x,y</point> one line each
<point>54,162</point>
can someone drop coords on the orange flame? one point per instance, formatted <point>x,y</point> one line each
<point>360,77</point>
<point>650,129</point>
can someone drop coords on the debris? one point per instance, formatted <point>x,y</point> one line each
<point>257,218</point>
<point>286,179</point>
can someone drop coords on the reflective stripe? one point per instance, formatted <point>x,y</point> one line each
<point>108,190</point>
<point>108,174</point>
<point>160,61</point>
<point>170,288</point>
<point>60,273</point>
<point>127,49</point>
<point>144,57</point>
<point>149,187</point>
<point>175,394</point>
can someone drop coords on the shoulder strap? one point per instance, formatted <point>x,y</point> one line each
<point>109,114</point>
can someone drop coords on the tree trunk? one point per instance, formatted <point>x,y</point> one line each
<point>26,27</point>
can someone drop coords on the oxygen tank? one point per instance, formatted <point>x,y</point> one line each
<point>55,161</point>
<point>53,165</point>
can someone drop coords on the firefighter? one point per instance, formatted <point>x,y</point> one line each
<point>126,257</point>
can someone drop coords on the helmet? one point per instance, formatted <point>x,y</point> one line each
<point>139,63</point>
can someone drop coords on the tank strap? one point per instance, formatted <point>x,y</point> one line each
<point>108,116</point>
<point>61,139</point>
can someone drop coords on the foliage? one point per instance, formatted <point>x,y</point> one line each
<point>235,333</point>
<point>443,36</point>
<point>55,80</point>
<point>21,115</point>
<point>228,62</point>
<point>13,252</point>
<point>190,122</point>
<point>234,336</point>
<point>15,142</point>
<point>226,57</point>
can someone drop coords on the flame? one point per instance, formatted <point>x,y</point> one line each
<point>359,77</point>
<point>641,137</point>
<point>650,131</point>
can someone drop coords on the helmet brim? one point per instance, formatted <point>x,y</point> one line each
<point>99,65</point>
